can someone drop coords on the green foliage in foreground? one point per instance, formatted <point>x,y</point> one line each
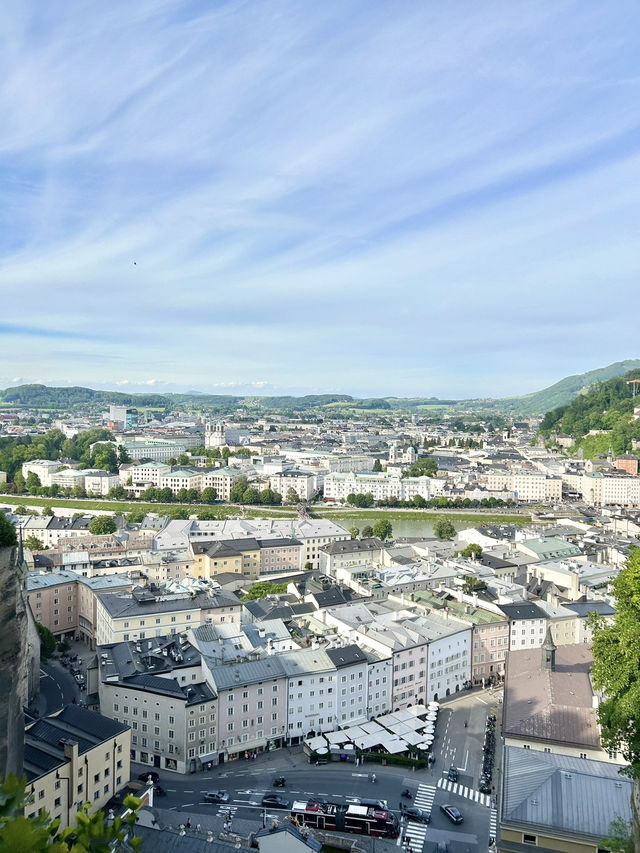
<point>616,667</point>
<point>92,833</point>
<point>47,642</point>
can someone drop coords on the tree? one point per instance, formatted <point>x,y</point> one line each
<point>424,467</point>
<point>292,496</point>
<point>47,642</point>
<point>136,515</point>
<point>182,495</point>
<point>360,500</point>
<point>367,532</point>
<point>104,457</point>
<point>33,543</point>
<point>91,833</point>
<point>237,492</point>
<point>46,510</point>
<point>472,584</point>
<point>8,536</point>
<point>118,492</point>
<point>33,483</point>
<point>251,496</point>
<point>19,482</point>
<point>620,838</point>
<point>377,465</point>
<point>178,512</point>
<point>262,589</point>
<point>616,667</point>
<point>123,455</point>
<point>354,531</point>
<point>383,529</point>
<point>209,495</point>
<point>444,529</point>
<point>165,495</point>
<point>472,550</point>
<point>101,525</point>
<point>183,459</point>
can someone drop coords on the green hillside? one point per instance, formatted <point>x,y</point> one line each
<point>562,392</point>
<point>607,407</point>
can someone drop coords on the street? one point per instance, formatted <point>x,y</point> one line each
<point>247,782</point>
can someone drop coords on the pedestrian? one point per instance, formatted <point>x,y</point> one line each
<point>188,823</point>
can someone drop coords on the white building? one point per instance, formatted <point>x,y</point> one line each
<point>305,485</point>
<point>527,624</point>
<point>42,468</point>
<point>382,485</point>
<point>312,692</point>
<point>600,489</point>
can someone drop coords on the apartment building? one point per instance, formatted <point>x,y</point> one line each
<point>42,468</point>
<point>381,485</point>
<point>526,486</point>
<point>156,687</point>
<point>66,603</point>
<point>379,683</point>
<point>352,667</point>
<point>154,612</point>
<point>312,692</point>
<point>312,533</point>
<point>600,489</point>
<point>490,645</point>
<point>351,552</point>
<point>527,624</point>
<point>249,557</point>
<point>252,702</point>
<point>304,484</point>
<point>74,757</point>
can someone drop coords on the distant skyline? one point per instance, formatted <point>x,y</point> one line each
<point>357,197</point>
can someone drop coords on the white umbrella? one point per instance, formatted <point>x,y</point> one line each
<point>433,706</point>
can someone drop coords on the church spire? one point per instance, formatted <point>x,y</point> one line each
<point>549,652</point>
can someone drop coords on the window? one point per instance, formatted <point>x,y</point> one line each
<point>529,839</point>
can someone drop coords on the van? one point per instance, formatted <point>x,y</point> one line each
<point>376,804</point>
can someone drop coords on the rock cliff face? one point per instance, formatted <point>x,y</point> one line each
<point>16,662</point>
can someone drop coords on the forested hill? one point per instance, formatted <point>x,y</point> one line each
<point>606,406</point>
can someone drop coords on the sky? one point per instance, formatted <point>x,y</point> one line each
<point>354,196</point>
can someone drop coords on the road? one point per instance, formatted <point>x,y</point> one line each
<point>247,782</point>
<point>57,688</point>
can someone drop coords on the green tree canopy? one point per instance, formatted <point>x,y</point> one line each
<point>444,529</point>
<point>102,525</point>
<point>237,492</point>
<point>209,495</point>
<point>91,833</point>
<point>472,550</point>
<point>424,467</point>
<point>47,642</point>
<point>206,514</point>
<point>136,515</point>
<point>383,529</point>
<point>33,543</point>
<point>360,500</point>
<point>251,496</point>
<point>377,465</point>
<point>367,532</point>
<point>616,667</point>
<point>7,532</point>
<point>292,496</point>
<point>354,531</point>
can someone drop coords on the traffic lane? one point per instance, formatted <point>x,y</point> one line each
<point>474,830</point>
<point>57,688</point>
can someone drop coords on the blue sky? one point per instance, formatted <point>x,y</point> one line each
<point>286,197</point>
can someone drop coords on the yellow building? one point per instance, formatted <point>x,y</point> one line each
<point>74,757</point>
<point>241,557</point>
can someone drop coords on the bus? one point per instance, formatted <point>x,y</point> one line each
<point>337,817</point>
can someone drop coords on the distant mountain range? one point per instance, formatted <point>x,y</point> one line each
<point>76,397</point>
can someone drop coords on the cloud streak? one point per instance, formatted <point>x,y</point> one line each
<point>413,200</point>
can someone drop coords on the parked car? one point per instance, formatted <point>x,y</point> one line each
<point>144,777</point>
<point>452,813</point>
<point>420,815</point>
<point>452,775</point>
<point>441,847</point>
<point>275,801</point>
<point>80,678</point>
<point>216,797</point>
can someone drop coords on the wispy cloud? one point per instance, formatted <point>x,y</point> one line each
<point>402,196</point>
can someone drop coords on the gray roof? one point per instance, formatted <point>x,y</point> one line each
<point>522,610</point>
<point>576,796</point>
<point>583,608</point>
<point>227,676</point>
<point>353,546</point>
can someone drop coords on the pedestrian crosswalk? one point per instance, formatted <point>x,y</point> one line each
<point>227,811</point>
<point>493,823</point>
<point>415,833</point>
<point>463,791</point>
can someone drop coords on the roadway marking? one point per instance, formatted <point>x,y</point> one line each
<point>493,823</point>
<point>463,791</point>
<point>360,774</point>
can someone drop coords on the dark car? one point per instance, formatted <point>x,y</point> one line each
<point>216,797</point>
<point>452,775</point>
<point>414,813</point>
<point>441,847</point>
<point>150,774</point>
<point>275,801</point>
<point>452,813</point>
<point>376,804</point>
